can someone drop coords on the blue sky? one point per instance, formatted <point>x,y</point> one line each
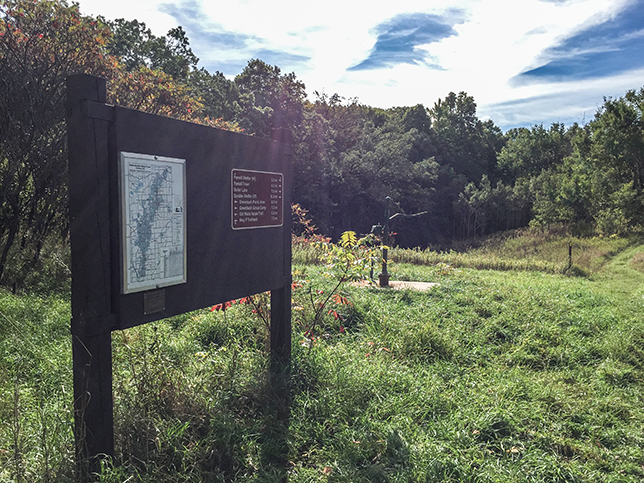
<point>525,62</point>
<point>611,47</point>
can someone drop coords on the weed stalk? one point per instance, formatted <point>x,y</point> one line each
<point>17,451</point>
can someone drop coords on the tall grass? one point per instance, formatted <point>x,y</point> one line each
<point>551,250</point>
<point>542,249</point>
<point>479,261</point>
<point>36,416</point>
<point>494,375</point>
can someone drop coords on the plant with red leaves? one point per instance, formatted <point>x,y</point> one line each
<point>348,260</point>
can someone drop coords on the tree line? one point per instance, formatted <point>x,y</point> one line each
<point>470,177</point>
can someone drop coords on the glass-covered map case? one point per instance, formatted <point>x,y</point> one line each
<point>153,221</point>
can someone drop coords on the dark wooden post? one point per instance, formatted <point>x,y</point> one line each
<point>92,320</point>
<point>281,298</point>
<point>279,405</point>
<point>384,275</point>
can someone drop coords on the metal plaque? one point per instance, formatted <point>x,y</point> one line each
<point>153,302</point>
<point>257,199</point>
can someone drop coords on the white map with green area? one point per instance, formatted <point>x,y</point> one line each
<point>153,221</point>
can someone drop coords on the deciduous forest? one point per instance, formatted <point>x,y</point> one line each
<point>471,178</point>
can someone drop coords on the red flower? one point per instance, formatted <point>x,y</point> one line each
<point>223,306</point>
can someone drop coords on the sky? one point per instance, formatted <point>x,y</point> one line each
<point>524,62</point>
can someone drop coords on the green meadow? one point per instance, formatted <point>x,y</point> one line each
<point>515,368</point>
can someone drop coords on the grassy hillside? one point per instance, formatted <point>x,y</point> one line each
<point>516,374</point>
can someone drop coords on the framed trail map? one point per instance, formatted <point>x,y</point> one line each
<point>153,221</point>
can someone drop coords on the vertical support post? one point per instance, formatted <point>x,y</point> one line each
<point>281,298</point>
<point>281,326</point>
<point>384,275</point>
<point>92,319</point>
<point>569,255</point>
<point>279,406</point>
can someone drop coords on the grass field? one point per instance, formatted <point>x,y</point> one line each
<point>508,371</point>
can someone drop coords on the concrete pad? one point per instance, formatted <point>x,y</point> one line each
<point>398,285</point>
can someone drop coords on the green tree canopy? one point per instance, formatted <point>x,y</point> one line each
<point>133,42</point>
<point>530,151</point>
<point>268,98</point>
<point>463,141</point>
<point>41,43</point>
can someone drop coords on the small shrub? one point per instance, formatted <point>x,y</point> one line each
<point>637,262</point>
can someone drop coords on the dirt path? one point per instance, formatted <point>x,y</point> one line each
<point>399,285</point>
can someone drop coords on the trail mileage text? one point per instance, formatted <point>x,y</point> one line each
<point>256,198</point>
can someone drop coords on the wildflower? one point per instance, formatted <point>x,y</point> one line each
<point>223,306</point>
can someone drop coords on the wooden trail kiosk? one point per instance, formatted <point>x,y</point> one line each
<point>166,217</point>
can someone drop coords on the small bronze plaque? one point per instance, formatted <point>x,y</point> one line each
<point>154,302</point>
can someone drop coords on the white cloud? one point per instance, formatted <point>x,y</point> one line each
<point>146,11</point>
<point>498,40</point>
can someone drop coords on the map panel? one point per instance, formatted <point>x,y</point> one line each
<point>153,221</point>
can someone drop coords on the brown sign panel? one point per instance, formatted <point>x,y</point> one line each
<point>257,199</point>
<point>222,261</point>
